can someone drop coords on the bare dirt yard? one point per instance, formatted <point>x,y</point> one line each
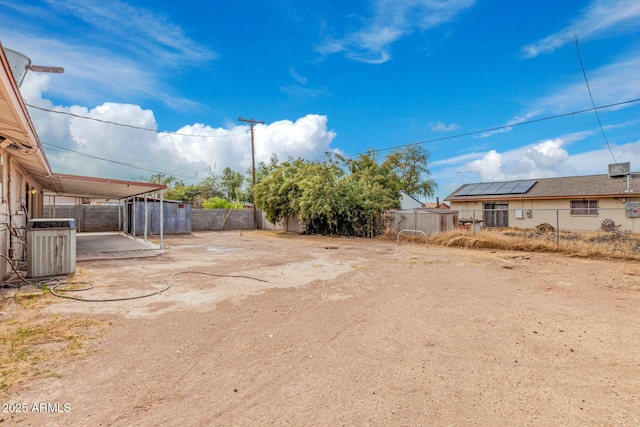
<point>343,331</point>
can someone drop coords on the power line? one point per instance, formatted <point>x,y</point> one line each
<point>503,127</point>
<point>584,74</point>
<point>78,153</point>
<point>497,128</point>
<point>66,113</point>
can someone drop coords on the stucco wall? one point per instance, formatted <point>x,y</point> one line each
<point>558,214</point>
<point>21,199</point>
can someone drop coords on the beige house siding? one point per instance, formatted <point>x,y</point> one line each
<point>556,212</point>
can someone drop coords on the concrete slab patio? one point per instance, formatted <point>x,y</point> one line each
<point>113,245</point>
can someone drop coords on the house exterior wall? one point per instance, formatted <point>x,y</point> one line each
<point>21,200</point>
<point>556,212</point>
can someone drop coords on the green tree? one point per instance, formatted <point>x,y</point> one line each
<point>410,164</point>
<point>277,193</point>
<point>319,206</point>
<point>220,203</point>
<point>159,178</point>
<point>210,187</point>
<point>373,189</point>
<point>231,184</point>
<point>338,196</point>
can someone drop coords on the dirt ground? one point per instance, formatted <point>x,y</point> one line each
<point>347,332</point>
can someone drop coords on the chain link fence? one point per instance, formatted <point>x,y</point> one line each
<point>625,220</point>
<point>582,219</point>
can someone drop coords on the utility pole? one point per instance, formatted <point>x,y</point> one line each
<point>253,168</point>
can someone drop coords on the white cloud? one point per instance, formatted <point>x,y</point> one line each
<point>305,93</point>
<point>392,20</point>
<point>598,20</point>
<point>612,83</point>
<point>596,161</point>
<point>545,159</point>
<point>297,76</point>
<point>124,58</point>
<point>489,167</point>
<point>307,137</point>
<point>172,153</point>
<point>509,126</point>
<point>439,126</point>
<point>143,32</point>
<point>457,161</point>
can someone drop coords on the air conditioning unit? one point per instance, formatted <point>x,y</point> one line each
<point>619,169</point>
<point>51,247</point>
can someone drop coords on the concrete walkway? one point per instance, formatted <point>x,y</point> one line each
<point>91,246</point>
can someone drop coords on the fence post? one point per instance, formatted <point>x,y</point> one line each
<point>473,224</point>
<point>557,228</point>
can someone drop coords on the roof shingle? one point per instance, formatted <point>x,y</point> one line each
<point>566,187</point>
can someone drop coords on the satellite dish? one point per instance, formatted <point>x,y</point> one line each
<point>20,64</point>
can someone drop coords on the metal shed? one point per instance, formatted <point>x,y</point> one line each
<point>176,216</point>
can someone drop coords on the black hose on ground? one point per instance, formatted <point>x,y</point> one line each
<point>56,285</point>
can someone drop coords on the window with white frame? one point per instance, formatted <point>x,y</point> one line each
<point>584,207</point>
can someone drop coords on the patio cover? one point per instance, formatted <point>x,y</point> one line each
<point>99,188</point>
<point>106,189</point>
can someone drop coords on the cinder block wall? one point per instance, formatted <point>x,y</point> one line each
<point>101,218</point>
<point>221,219</point>
<point>89,218</point>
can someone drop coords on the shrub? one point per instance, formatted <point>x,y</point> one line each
<point>220,203</point>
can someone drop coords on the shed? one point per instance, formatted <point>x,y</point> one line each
<point>176,216</point>
<point>429,221</point>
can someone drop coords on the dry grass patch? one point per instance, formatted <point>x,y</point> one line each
<point>597,244</point>
<point>31,343</point>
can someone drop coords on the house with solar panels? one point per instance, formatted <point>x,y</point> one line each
<point>580,203</point>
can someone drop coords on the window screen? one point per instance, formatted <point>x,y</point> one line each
<point>584,207</point>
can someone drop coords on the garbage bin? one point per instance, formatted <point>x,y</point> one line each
<point>51,247</point>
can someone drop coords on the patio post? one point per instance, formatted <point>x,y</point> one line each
<point>161,219</point>
<point>146,217</point>
<point>133,220</point>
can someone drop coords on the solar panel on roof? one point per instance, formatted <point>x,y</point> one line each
<point>523,186</point>
<point>497,188</point>
<point>493,188</point>
<point>509,186</point>
<point>467,190</point>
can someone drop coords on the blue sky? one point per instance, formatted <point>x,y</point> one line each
<point>332,76</point>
